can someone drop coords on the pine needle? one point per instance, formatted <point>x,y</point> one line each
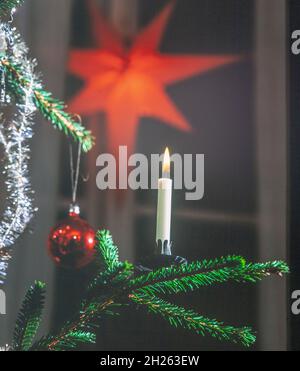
<point>29,318</point>
<point>193,276</point>
<point>52,109</point>
<point>108,253</point>
<point>115,286</point>
<point>188,319</point>
<point>71,341</point>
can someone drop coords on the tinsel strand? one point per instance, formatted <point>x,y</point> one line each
<point>14,136</point>
<point>9,6</point>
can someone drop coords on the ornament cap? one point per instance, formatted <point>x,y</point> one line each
<point>74,210</point>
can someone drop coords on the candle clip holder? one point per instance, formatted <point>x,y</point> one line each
<point>162,258</point>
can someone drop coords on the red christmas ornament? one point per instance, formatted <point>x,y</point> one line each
<point>71,243</point>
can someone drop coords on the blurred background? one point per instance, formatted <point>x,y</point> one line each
<point>238,113</point>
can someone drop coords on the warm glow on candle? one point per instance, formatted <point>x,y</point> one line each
<point>164,203</point>
<point>167,162</point>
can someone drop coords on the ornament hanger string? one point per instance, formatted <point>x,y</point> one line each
<point>75,171</point>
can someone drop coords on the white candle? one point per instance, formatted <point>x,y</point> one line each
<point>164,204</point>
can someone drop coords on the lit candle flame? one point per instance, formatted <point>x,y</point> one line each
<point>167,162</point>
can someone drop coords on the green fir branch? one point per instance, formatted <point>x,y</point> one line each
<point>71,342</point>
<point>107,252</point>
<point>111,279</point>
<point>116,273</point>
<point>187,276</point>
<point>180,317</point>
<point>257,271</point>
<point>73,339</point>
<point>192,276</point>
<point>29,317</point>
<point>87,320</point>
<point>114,286</point>
<point>104,279</point>
<point>96,305</point>
<point>176,271</point>
<point>7,6</point>
<point>52,109</point>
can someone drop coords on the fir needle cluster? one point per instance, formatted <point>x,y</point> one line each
<point>118,284</point>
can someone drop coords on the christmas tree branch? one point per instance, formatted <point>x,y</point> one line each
<point>106,292</point>
<point>101,301</point>
<point>107,252</point>
<point>115,272</point>
<point>186,272</point>
<point>116,279</point>
<point>87,321</point>
<point>180,317</point>
<point>70,341</point>
<point>189,277</point>
<point>29,317</point>
<point>116,286</point>
<point>52,109</point>
<point>7,6</point>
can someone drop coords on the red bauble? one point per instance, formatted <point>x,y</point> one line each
<point>71,243</point>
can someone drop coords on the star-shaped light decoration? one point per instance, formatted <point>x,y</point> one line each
<point>129,83</point>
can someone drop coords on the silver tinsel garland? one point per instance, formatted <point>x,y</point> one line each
<point>14,136</point>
